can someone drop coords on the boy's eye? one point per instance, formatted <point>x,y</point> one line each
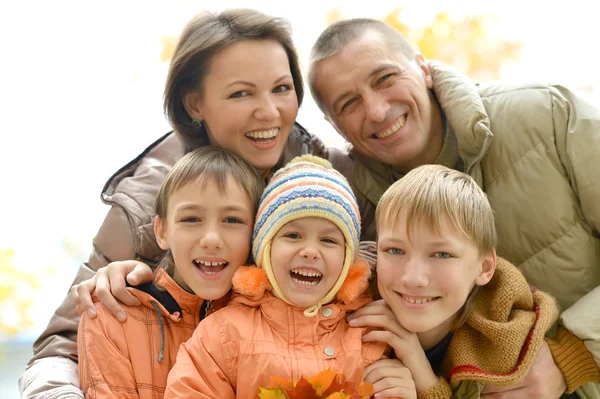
<point>191,219</point>
<point>442,255</point>
<point>233,220</point>
<point>240,94</point>
<point>395,251</point>
<point>282,89</point>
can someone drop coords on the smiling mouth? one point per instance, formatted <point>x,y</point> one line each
<point>391,130</point>
<point>263,136</point>
<point>210,267</point>
<point>418,300</point>
<point>305,277</point>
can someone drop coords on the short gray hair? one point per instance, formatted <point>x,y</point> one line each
<point>337,35</point>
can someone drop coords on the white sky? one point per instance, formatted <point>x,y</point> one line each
<point>81,94</point>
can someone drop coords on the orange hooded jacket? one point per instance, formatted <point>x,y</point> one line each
<point>132,359</point>
<point>237,349</point>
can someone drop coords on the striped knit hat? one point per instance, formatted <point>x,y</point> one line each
<point>307,186</point>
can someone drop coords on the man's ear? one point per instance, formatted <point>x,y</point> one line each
<point>160,231</point>
<point>488,267</point>
<point>424,67</point>
<point>192,101</point>
<point>332,123</point>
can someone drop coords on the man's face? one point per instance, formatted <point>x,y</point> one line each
<point>378,100</point>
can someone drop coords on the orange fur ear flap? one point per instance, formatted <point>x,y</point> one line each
<point>357,281</point>
<point>251,281</point>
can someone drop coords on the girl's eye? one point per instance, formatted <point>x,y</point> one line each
<point>395,251</point>
<point>240,94</point>
<point>191,219</point>
<point>329,240</point>
<point>442,255</point>
<point>293,236</point>
<point>233,220</point>
<point>282,89</point>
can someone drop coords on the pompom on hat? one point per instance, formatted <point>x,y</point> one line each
<point>307,186</point>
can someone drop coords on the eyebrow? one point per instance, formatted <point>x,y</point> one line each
<point>247,83</point>
<point>374,72</point>
<point>229,208</point>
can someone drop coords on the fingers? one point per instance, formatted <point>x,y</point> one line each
<point>116,273</point>
<point>141,273</point>
<point>82,296</point>
<point>390,378</point>
<point>386,322</point>
<point>103,292</point>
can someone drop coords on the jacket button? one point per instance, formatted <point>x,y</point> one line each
<point>329,351</point>
<point>327,312</point>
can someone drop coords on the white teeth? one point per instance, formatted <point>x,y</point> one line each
<point>307,283</point>
<point>307,274</point>
<point>392,129</point>
<point>206,263</point>
<point>266,134</point>
<point>419,300</point>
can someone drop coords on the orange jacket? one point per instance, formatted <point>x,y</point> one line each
<point>122,360</point>
<point>237,349</point>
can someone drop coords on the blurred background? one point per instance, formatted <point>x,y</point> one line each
<point>81,94</point>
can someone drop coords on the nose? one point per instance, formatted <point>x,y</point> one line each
<point>310,251</point>
<point>414,274</point>
<point>267,109</point>
<point>376,107</point>
<point>212,239</point>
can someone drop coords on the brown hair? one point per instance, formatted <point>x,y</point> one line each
<point>208,163</point>
<point>430,192</point>
<point>337,35</point>
<point>202,38</point>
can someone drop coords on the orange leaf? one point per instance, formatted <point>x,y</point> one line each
<point>277,382</point>
<point>272,394</point>
<point>322,381</point>
<point>336,386</point>
<point>302,390</point>
<point>338,395</point>
<point>365,390</point>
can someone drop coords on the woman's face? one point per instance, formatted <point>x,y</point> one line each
<point>249,104</point>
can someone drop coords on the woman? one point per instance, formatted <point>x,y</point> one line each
<point>234,82</point>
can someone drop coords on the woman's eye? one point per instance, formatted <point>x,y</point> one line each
<point>282,89</point>
<point>442,255</point>
<point>395,251</point>
<point>240,94</point>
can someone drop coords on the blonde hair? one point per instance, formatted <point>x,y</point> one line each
<point>204,37</point>
<point>339,34</point>
<point>429,193</point>
<point>208,163</point>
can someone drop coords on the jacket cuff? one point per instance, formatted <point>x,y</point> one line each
<point>573,359</point>
<point>441,390</point>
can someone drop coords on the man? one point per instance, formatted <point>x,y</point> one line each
<point>534,149</point>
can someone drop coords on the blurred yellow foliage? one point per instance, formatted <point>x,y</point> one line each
<point>465,44</point>
<point>13,304</point>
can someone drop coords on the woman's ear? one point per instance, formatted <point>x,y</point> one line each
<point>488,267</point>
<point>192,101</point>
<point>160,231</point>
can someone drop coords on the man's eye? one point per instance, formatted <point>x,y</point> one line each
<point>347,105</point>
<point>240,94</point>
<point>442,255</point>
<point>384,78</point>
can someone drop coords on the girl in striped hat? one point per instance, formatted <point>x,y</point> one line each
<point>287,316</point>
